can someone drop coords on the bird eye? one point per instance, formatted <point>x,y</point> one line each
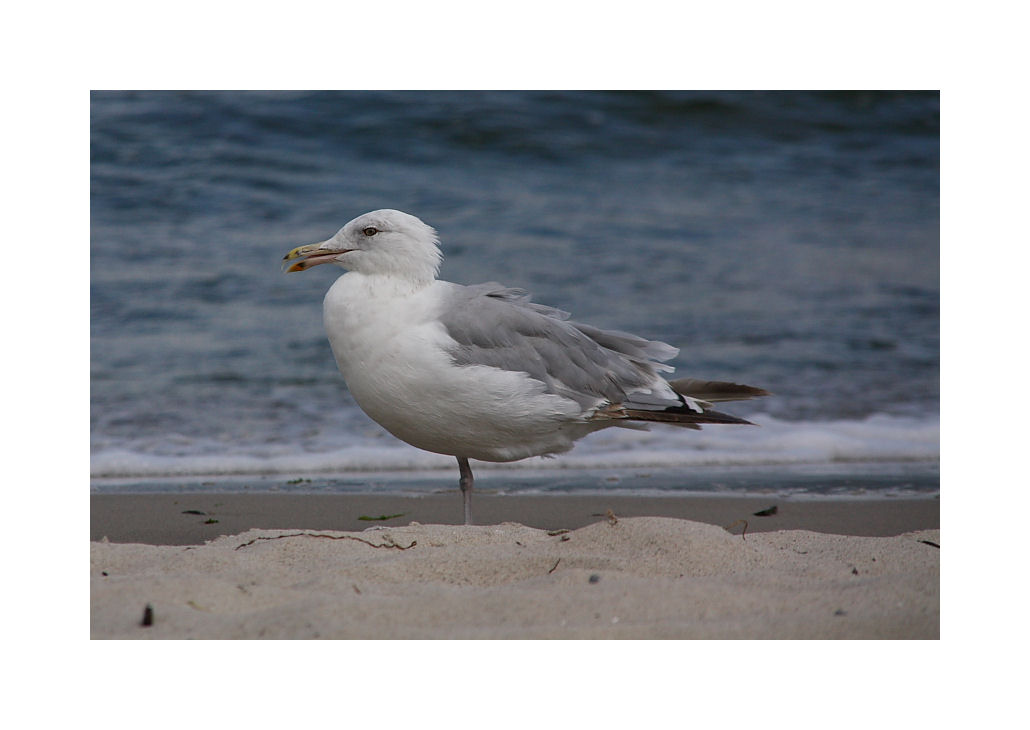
<point>370,231</point>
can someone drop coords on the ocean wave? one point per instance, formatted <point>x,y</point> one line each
<point>876,439</point>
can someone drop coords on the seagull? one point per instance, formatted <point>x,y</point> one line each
<point>482,372</point>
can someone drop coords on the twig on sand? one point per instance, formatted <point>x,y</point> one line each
<point>743,532</point>
<point>390,544</point>
<point>554,567</point>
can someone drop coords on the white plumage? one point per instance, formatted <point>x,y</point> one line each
<point>481,372</point>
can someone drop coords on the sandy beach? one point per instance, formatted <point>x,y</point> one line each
<point>305,566</point>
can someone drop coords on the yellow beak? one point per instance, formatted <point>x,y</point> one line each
<point>311,255</point>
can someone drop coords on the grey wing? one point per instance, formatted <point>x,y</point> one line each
<point>500,327</point>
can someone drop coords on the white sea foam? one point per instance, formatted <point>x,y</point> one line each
<point>879,438</point>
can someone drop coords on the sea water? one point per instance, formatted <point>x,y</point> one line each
<point>784,240</point>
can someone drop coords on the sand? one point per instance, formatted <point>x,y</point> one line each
<point>191,518</point>
<point>640,577</point>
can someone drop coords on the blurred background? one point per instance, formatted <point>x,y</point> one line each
<point>788,240</point>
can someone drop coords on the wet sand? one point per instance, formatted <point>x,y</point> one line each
<point>172,519</point>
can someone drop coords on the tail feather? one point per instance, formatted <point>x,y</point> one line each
<point>702,393</point>
<point>715,391</point>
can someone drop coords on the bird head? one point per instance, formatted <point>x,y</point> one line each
<point>383,242</point>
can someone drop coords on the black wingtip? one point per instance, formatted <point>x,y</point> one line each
<point>686,416</point>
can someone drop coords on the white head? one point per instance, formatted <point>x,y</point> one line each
<point>383,242</point>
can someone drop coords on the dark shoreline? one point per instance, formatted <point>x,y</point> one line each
<point>173,519</point>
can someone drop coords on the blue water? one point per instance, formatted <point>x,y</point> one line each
<point>785,240</point>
